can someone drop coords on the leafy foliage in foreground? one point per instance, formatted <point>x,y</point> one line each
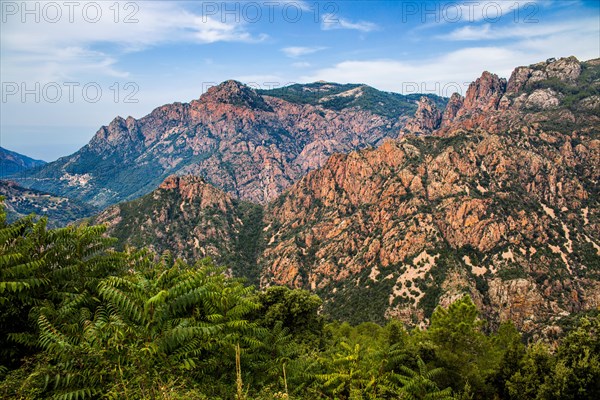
<point>79,320</point>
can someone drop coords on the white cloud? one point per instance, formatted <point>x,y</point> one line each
<point>523,31</point>
<point>298,51</point>
<point>68,48</point>
<point>443,75</point>
<point>454,70</point>
<point>331,21</point>
<point>519,11</point>
<point>469,33</point>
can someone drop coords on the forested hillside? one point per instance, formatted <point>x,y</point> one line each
<point>79,320</point>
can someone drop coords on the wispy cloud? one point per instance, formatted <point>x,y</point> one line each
<point>454,70</point>
<point>299,51</point>
<point>65,49</point>
<point>523,32</point>
<point>469,33</point>
<point>331,21</point>
<point>460,68</point>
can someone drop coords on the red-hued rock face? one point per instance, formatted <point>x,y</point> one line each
<point>251,145</point>
<point>484,94</point>
<point>490,204</point>
<point>497,200</point>
<point>236,94</point>
<point>452,108</point>
<point>427,118</point>
<point>493,104</point>
<point>565,70</point>
<point>195,188</point>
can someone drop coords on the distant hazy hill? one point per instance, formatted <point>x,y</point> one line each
<point>11,162</point>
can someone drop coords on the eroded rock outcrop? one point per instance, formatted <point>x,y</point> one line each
<point>497,200</point>
<point>490,205</point>
<point>427,118</point>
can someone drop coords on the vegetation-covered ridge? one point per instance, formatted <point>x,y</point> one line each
<point>60,210</point>
<point>337,96</point>
<point>79,320</point>
<point>12,162</point>
<point>192,219</point>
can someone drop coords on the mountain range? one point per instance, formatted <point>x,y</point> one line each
<point>385,205</point>
<point>249,144</point>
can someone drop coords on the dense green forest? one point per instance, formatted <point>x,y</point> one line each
<point>80,320</point>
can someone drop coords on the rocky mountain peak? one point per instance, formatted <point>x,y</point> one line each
<point>235,93</point>
<point>117,123</point>
<point>118,132</point>
<point>427,117</point>
<point>176,182</point>
<point>565,69</point>
<point>560,89</point>
<point>484,94</point>
<point>454,105</point>
<point>195,188</point>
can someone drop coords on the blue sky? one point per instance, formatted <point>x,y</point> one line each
<point>125,58</point>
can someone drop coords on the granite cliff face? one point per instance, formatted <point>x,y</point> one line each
<point>249,144</point>
<point>563,94</point>
<point>428,118</point>
<point>500,202</point>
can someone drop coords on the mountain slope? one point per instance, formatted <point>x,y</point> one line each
<point>337,97</point>
<point>501,203</point>
<point>11,162</point>
<point>193,220</point>
<point>251,145</point>
<point>60,211</point>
